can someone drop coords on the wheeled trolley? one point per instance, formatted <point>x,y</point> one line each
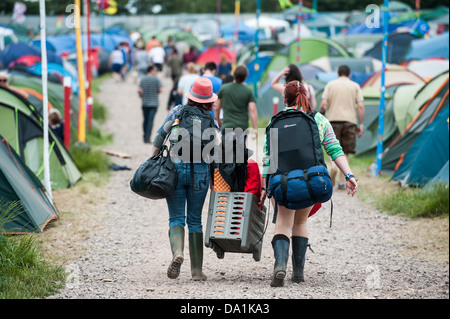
<point>235,224</point>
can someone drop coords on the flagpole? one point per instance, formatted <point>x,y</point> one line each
<point>237,9</point>
<point>256,67</point>
<point>80,65</point>
<point>44,75</point>
<point>299,20</point>
<point>89,63</point>
<point>384,48</point>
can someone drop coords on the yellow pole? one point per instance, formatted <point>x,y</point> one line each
<point>81,88</point>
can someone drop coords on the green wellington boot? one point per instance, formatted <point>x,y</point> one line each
<point>176,238</point>
<point>196,255</point>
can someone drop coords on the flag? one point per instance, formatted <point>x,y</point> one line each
<point>112,9</point>
<point>59,22</point>
<point>109,6</point>
<point>19,12</point>
<point>285,3</point>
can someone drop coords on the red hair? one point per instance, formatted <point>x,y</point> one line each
<point>295,96</point>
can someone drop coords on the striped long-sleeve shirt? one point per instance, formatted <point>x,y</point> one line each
<point>327,138</point>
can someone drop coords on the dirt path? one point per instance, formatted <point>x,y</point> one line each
<point>361,256</point>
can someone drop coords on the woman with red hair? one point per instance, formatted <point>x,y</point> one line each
<point>292,223</point>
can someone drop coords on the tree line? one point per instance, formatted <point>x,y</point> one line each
<point>56,7</point>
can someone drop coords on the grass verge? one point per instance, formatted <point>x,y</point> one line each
<point>25,273</point>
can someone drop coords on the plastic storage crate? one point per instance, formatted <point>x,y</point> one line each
<point>235,224</point>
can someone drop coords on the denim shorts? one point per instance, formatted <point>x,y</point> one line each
<point>186,203</point>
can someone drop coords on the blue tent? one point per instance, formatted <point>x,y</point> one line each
<point>67,42</point>
<point>245,33</point>
<point>441,177</point>
<point>435,47</point>
<point>56,69</point>
<point>399,44</point>
<point>14,51</point>
<point>256,75</point>
<point>428,155</point>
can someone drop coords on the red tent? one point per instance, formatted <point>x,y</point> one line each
<point>27,60</point>
<point>214,53</point>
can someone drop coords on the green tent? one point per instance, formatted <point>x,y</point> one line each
<point>409,99</point>
<point>19,186</point>
<point>433,104</point>
<point>176,34</point>
<point>403,98</point>
<point>366,145</point>
<point>21,125</point>
<point>311,49</point>
<point>55,95</point>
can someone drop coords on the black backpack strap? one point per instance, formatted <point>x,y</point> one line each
<point>284,189</point>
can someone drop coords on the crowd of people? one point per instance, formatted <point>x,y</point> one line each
<point>218,95</point>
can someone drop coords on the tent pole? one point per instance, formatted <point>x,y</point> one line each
<point>237,10</point>
<point>314,14</point>
<point>42,14</point>
<point>67,107</point>
<point>80,64</point>
<point>90,103</point>
<point>256,67</point>
<point>417,9</point>
<point>299,20</point>
<point>383,87</point>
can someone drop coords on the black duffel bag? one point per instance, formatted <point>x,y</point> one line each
<point>157,177</point>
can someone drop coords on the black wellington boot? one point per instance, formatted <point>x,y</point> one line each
<point>176,238</point>
<point>299,246</point>
<point>280,244</point>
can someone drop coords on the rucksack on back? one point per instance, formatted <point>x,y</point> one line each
<point>298,174</point>
<point>200,127</point>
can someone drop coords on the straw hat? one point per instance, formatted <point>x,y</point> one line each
<point>202,91</point>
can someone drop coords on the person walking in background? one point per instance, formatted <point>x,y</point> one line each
<point>339,100</point>
<point>149,89</point>
<point>224,67</point>
<point>237,101</point>
<point>174,96</point>
<point>168,47</point>
<point>292,73</point>
<point>116,62</point>
<point>190,56</point>
<point>186,81</point>
<point>141,61</point>
<point>292,223</point>
<point>152,43</point>
<point>157,56</point>
<point>175,64</point>
<point>209,72</point>
<point>186,203</point>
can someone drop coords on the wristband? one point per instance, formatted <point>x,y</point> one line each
<point>361,125</point>
<point>348,176</point>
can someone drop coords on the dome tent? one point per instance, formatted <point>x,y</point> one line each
<point>21,125</point>
<point>19,186</point>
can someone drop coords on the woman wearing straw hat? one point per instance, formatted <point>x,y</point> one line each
<point>186,203</point>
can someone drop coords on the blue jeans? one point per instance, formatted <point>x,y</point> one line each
<point>193,193</point>
<point>149,115</point>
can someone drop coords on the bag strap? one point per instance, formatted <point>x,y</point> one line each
<point>284,189</point>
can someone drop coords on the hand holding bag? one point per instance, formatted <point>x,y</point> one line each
<point>157,177</point>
